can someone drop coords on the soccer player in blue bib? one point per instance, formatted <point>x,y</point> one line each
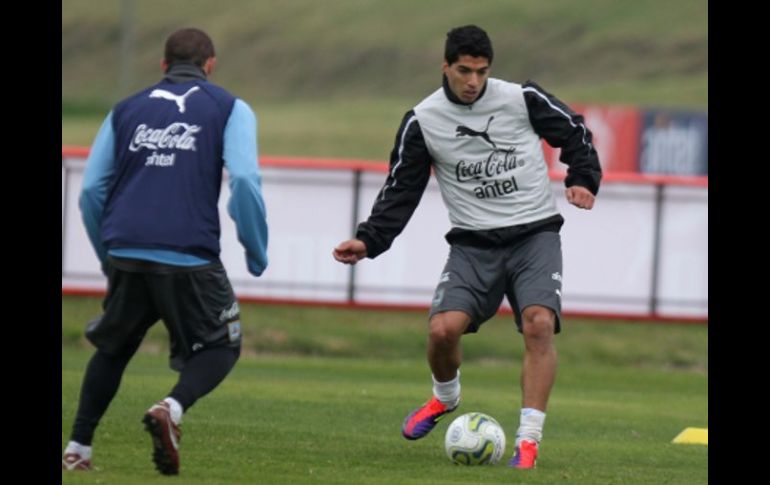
<point>150,207</point>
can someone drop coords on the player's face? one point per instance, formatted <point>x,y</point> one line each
<point>467,76</point>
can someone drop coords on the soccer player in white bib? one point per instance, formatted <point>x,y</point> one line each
<point>482,137</point>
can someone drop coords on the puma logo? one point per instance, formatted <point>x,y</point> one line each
<point>179,100</point>
<point>464,130</point>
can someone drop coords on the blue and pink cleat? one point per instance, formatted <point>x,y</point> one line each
<point>423,419</point>
<point>524,456</point>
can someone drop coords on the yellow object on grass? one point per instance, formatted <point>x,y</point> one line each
<point>693,436</point>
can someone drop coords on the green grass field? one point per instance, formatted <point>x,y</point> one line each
<point>319,396</point>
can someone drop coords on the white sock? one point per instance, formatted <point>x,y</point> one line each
<point>530,425</point>
<point>82,450</point>
<point>447,392</point>
<point>176,410</point>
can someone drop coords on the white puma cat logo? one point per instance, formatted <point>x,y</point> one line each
<point>162,93</point>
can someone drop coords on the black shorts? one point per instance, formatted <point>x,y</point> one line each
<point>527,272</point>
<point>197,306</point>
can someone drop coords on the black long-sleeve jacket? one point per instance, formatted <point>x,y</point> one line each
<point>488,161</point>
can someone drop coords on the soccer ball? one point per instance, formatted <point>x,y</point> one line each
<point>475,439</point>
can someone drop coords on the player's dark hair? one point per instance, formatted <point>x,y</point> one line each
<point>467,40</point>
<point>189,45</point>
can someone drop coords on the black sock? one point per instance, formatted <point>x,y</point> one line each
<point>100,384</point>
<point>202,373</point>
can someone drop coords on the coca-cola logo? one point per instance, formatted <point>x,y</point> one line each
<point>177,136</point>
<point>497,164</point>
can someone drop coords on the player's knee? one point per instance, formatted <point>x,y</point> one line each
<point>442,335</point>
<point>538,323</point>
<point>444,330</point>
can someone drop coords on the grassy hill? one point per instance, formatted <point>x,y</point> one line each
<point>319,71</point>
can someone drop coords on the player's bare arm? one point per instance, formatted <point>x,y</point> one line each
<point>350,251</point>
<point>580,197</point>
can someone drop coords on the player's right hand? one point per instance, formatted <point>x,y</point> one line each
<point>350,251</point>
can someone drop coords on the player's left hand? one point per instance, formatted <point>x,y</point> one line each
<point>580,197</point>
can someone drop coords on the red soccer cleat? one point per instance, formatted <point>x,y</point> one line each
<point>165,438</point>
<point>73,461</point>
<point>524,456</point>
<point>423,419</point>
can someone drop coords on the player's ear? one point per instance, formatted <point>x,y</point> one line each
<point>208,66</point>
<point>163,64</point>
